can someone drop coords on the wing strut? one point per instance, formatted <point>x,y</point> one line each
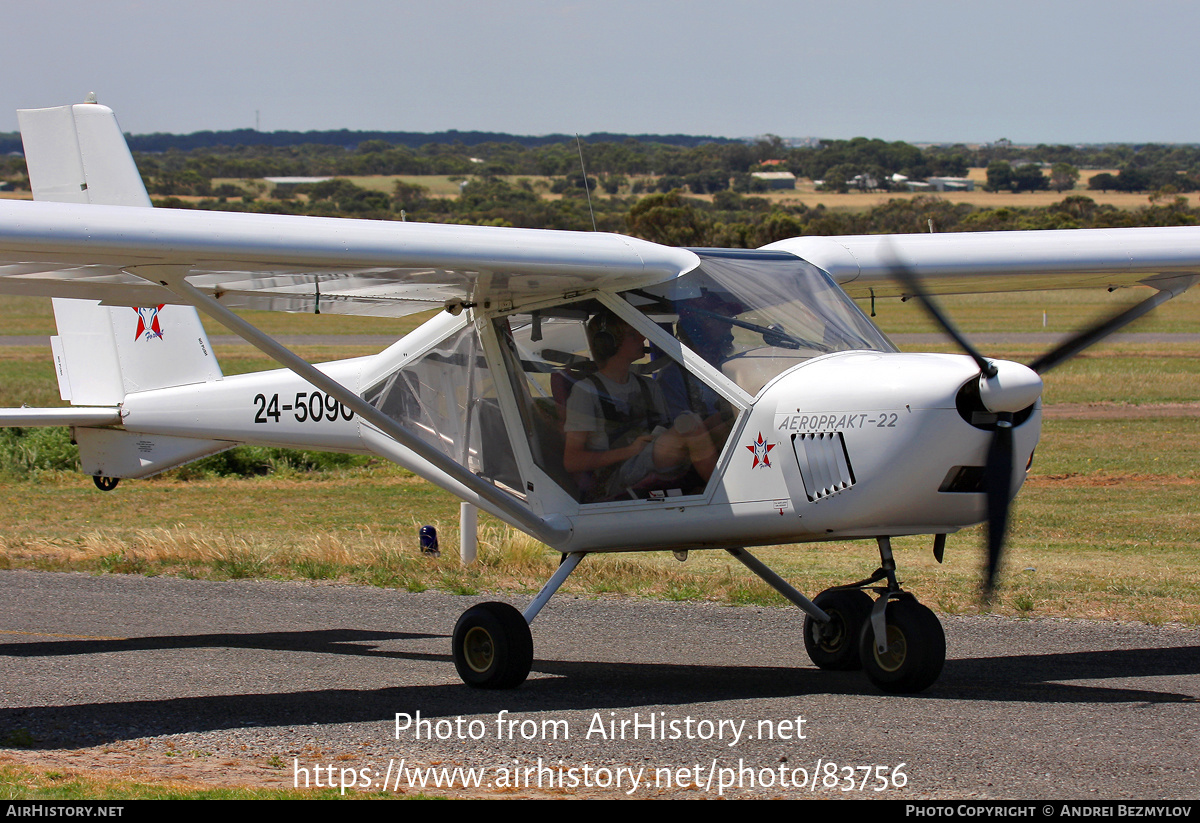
<point>1166,290</point>
<point>489,497</point>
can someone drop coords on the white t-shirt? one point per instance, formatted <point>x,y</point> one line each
<point>585,412</point>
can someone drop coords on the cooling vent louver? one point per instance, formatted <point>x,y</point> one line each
<point>824,463</point>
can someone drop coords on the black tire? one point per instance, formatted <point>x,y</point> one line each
<point>916,649</point>
<point>493,648</point>
<point>834,647</point>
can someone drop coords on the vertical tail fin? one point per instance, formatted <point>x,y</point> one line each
<point>77,154</point>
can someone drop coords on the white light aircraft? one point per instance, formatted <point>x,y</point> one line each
<point>599,392</point>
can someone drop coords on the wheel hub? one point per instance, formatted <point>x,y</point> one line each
<point>897,650</point>
<point>832,635</point>
<point>478,649</point>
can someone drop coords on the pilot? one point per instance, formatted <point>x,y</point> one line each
<point>618,427</point>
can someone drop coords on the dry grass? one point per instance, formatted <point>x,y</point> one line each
<point>23,781</point>
<point>806,194</point>
<point>1080,547</point>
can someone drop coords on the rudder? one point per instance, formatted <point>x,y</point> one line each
<point>78,154</point>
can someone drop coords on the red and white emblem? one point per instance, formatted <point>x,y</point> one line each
<point>148,322</point>
<point>761,451</point>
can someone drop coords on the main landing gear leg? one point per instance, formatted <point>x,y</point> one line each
<point>779,584</point>
<point>834,618</point>
<point>493,647</point>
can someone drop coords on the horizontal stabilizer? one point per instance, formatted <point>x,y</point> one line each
<point>117,453</point>
<point>104,353</point>
<point>60,417</point>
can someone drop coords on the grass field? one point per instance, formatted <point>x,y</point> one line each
<point>22,782</point>
<point>806,193</point>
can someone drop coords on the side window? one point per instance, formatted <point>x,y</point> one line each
<point>448,398</point>
<point>543,356</point>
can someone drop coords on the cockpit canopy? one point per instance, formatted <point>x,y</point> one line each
<point>755,314</point>
<point>715,337</point>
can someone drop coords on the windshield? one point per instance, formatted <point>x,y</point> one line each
<point>755,314</point>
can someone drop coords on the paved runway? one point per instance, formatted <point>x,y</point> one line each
<point>275,677</point>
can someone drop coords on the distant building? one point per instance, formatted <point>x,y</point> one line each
<point>776,179</point>
<point>951,183</point>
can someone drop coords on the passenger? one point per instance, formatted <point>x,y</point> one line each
<point>618,427</point>
<point>702,327</point>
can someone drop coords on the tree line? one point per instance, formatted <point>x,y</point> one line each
<point>702,165</point>
<point>726,219</point>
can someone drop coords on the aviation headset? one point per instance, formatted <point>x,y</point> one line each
<point>605,342</point>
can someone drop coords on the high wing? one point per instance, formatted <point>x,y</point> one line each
<point>83,240</point>
<point>965,263</point>
<point>289,263</point>
<point>307,264</point>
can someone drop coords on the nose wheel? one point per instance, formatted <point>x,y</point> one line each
<point>898,643</point>
<point>915,648</point>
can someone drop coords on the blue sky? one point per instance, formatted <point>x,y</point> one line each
<point>936,71</point>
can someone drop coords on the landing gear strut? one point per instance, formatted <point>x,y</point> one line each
<point>493,647</point>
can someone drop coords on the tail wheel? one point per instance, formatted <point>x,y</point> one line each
<point>834,645</point>
<point>493,648</point>
<point>916,649</point>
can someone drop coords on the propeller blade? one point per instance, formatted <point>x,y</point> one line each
<point>997,483</point>
<point>997,473</point>
<point>1088,337</point>
<point>911,282</point>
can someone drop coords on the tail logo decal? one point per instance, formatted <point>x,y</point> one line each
<point>148,326</point>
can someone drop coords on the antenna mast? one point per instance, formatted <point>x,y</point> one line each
<point>586,187</point>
